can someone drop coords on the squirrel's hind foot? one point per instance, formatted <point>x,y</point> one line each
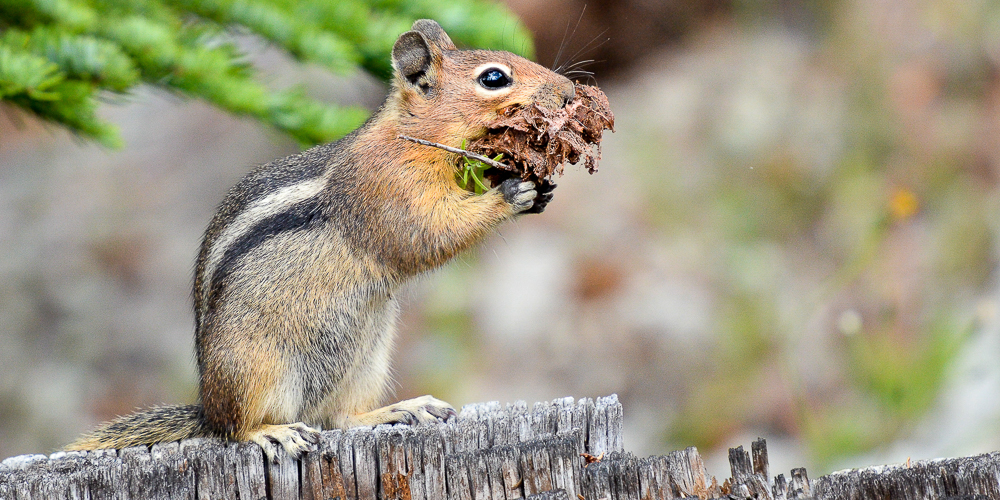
<point>296,439</point>
<point>422,410</point>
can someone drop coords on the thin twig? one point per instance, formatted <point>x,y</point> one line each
<point>467,154</point>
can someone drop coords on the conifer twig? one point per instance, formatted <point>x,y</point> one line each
<point>467,154</point>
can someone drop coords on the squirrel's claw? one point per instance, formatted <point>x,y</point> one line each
<point>520,194</point>
<point>296,439</point>
<point>544,190</point>
<point>422,410</point>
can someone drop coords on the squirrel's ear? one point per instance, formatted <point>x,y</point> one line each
<point>417,51</point>
<point>433,33</point>
<point>411,57</point>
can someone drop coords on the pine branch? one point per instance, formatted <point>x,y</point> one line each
<point>57,56</point>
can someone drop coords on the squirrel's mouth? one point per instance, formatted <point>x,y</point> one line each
<point>496,176</point>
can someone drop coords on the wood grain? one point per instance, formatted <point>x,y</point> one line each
<point>562,450</point>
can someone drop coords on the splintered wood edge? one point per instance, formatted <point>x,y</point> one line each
<point>346,463</point>
<point>967,477</point>
<point>564,449</point>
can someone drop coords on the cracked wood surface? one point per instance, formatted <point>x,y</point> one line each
<point>561,450</point>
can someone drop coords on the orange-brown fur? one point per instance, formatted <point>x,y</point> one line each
<point>295,280</point>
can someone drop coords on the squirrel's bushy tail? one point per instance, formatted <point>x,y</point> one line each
<point>155,425</point>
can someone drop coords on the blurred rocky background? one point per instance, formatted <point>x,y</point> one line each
<point>793,234</point>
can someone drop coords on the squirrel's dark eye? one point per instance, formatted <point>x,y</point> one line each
<point>493,78</point>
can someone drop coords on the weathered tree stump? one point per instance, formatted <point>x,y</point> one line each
<point>563,450</point>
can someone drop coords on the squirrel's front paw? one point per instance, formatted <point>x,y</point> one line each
<point>520,194</point>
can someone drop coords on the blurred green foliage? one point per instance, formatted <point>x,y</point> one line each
<point>59,57</point>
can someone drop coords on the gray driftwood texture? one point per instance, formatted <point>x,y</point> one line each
<point>563,450</point>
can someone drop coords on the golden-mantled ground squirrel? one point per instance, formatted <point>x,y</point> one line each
<point>296,277</point>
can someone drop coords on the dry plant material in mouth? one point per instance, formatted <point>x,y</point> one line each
<point>536,142</point>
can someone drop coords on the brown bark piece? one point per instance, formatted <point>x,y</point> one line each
<point>536,142</point>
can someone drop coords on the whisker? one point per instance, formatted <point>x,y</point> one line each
<point>588,48</point>
<point>585,79</point>
<point>579,70</point>
<point>565,42</point>
<point>562,45</point>
<point>579,64</point>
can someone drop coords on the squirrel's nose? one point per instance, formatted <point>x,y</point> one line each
<point>555,95</point>
<point>568,92</point>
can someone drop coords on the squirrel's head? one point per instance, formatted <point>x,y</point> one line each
<point>446,95</point>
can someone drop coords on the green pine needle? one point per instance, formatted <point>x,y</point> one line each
<point>58,56</point>
<point>471,173</point>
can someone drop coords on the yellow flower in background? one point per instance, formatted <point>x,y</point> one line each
<point>904,204</point>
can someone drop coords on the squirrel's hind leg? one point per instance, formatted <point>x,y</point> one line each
<point>422,410</point>
<point>296,439</point>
